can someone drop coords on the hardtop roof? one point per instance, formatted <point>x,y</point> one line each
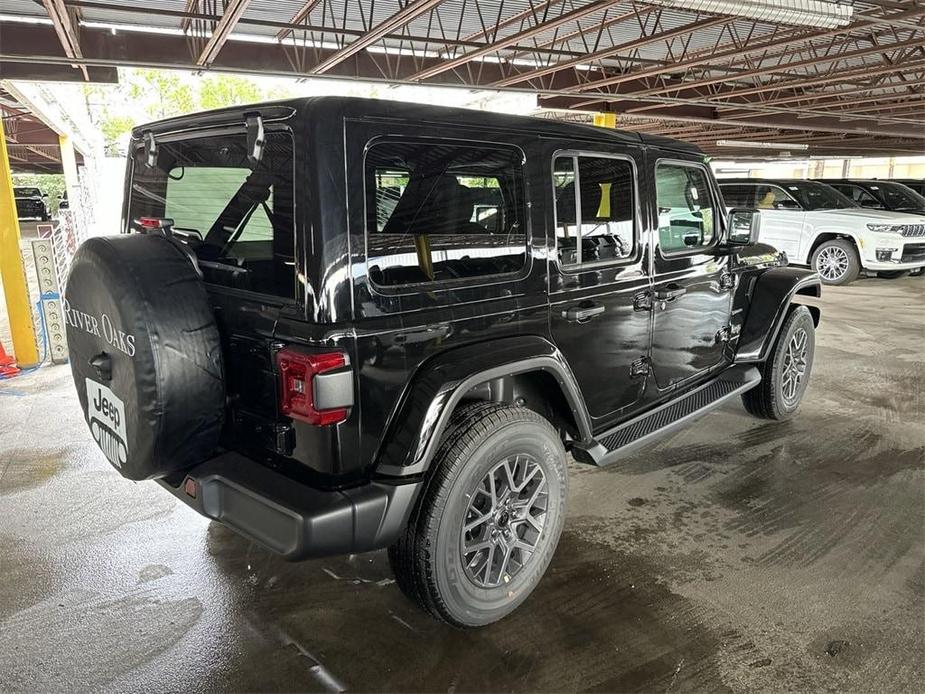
<point>355,107</point>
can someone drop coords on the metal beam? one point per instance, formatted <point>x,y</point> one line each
<point>785,67</point>
<point>32,72</point>
<point>413,9</point>
<point>285,28</point>
<point>233,11</point>
<point>738,52</point>
<point>613,50</point>
<point>531,11</point>
<point>67,35</point>
<point>513,39</point>
<point>300,16</point>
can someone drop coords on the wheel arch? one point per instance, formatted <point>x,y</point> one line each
<point>527,371</point>
<point>823,236</point>
<point>774,293</point>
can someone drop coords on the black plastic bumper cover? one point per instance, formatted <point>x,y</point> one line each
<point>293,519</point>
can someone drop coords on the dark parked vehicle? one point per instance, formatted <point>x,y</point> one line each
<point>917,184</point>
<point>339,325</point>
<point>30,203</point>
<point>879,195</point>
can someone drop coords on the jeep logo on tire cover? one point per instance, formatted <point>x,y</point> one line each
<point>106,416</point>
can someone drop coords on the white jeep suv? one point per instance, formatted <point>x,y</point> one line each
<point>816,225</point>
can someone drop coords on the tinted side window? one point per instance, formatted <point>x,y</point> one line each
<point>595,209</point>
<point>857,194</point>
<point>767,196</point>
<point>686,218</point>
<point>443,211</point>
<point>738,195</point>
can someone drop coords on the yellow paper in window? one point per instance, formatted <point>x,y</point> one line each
<point>603,210</point>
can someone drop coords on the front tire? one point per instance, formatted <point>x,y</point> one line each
<point>837,262</point>
<point>489,520</point>
<point>785,374</point>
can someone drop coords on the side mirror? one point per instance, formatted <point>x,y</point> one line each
<point>787,205</point>
<point>871,204</point>
<point>743,227</point>
<point>44,195</point>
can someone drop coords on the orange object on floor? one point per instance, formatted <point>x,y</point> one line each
<point>7,364</point>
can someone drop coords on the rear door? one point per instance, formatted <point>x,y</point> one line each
<point>598,276</point>
<point>692,285</point>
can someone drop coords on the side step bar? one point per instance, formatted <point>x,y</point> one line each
<point>650,426</point>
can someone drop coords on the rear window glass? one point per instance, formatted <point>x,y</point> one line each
<point>443,211</point>
<point>236,216</point>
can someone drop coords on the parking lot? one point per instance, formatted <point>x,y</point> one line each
<point>736,555</point>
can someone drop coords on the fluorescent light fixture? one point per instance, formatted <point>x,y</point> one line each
<point>814,13</point>
<point>761,145</point>
<point>24,19</point>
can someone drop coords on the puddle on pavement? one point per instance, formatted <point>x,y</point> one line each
<point>25,469</point>
<point>601,620</point>
<point>26,577</point>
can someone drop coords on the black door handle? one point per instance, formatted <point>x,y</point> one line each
<point>670,293</point>
<point>581,314</point>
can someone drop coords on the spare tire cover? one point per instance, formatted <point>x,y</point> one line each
<point>145,354</point>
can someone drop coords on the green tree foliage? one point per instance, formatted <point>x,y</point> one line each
<point>228,90</point>
<point>145,94</point>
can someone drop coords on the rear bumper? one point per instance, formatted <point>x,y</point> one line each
<point>291,518</point>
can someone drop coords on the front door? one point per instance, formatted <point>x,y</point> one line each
<point>598,268</point>
<point>692,287</point>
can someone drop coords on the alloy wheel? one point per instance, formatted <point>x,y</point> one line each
<point>504,521</point>
<point>794,367</point>
<point>832,263</point>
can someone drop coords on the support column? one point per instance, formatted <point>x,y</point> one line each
<point>12,272</point>
<point>69,164</point>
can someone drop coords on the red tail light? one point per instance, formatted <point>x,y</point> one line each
<point>154,222</point>
<point>316,402</point>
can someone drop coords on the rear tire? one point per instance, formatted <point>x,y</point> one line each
<point>837,262</point>
<point>785,375</point>
<point>490,517</point>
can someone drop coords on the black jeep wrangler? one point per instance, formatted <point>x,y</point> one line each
<point>338,325</point>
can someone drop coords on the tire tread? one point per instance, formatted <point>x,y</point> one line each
<point>763,401</point>
<point>411,557</point>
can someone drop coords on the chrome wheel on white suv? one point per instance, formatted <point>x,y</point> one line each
<point>836,261</point>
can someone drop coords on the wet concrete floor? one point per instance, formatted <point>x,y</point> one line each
<point>736,555</point>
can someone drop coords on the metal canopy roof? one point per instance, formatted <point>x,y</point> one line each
<point>845,78</point>
<point>32,144</point>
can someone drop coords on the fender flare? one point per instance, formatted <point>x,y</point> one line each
<point>416,427</point>
<point>770,302</point>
